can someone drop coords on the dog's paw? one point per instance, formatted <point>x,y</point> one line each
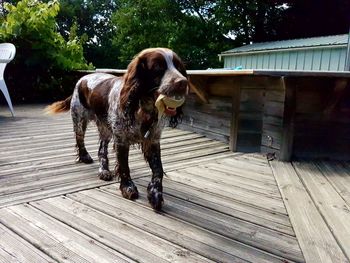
<point>155,195</point>
<point>105,175</point>
<point>85,159</point>
<point>129,190</point>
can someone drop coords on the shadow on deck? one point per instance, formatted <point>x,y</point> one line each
<point>219,206</point>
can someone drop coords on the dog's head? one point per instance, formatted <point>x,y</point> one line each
<point>152,73</point>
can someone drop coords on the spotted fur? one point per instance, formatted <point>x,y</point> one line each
<point>123,110</point>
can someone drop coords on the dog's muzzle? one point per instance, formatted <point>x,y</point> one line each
<point>168,105</point>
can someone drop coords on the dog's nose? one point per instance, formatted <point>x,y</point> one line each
<point>180,85</point>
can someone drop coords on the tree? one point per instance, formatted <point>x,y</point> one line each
<point>247,20</point>
<point>141,24</point>
<point>31,26</point>
<point>310,18</point>
<point>43,56</point>
<point>268,20</point>
<point>112,31</point>
<point>244,21</point>
<point>91,20</point>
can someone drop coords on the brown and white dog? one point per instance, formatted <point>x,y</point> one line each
<point>124,109</point>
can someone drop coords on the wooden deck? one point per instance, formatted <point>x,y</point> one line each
<point>219,206</point>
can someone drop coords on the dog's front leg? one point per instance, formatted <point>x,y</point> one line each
<point>103,172</point>
<point>127,186</point>
<point>155,187</point>
<point>105,137</point>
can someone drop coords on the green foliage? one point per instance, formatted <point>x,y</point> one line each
<point>141,24</point>
<point>53,35</point>
<point>43,56</point>
<point>249,21</point>
<point>196,30</point>
<point>243,21</point>
<point>92,21</point>
<point>31,26</point>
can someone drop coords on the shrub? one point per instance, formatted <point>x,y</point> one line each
<point>43,56</point>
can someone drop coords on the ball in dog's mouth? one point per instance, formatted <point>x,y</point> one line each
<point>168,105</point>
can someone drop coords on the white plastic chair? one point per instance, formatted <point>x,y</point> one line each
<point>7,53</point>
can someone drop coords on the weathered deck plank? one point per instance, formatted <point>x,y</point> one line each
<point>56,239</point>
<point>234,192</point>
<point>169,225</point>
<point>333,208</point>
<point>15,249</point>
<point>237,208</point>
<point>161,225</point>
<point>229,226</point>
<point>135,242</point>
<point>315,238</point>
<point>338,174</point>
<point>231,180</point>
<point>219,206</point>
<point>37,155</point>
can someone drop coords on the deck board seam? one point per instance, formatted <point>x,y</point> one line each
<point>199,227</point>
<point>320,211</point>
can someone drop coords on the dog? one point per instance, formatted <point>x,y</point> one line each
<point>128,110</point>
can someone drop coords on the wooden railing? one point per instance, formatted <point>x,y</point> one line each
<point>282,113</point>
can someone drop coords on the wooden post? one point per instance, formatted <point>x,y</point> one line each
<point>286,150</point>
<point>236,101</point>
<point>347,60</point>
<point>197,85</point>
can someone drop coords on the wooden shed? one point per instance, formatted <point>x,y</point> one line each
<point>316,53</point>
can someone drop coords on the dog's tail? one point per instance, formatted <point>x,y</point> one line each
<point>59,106</point>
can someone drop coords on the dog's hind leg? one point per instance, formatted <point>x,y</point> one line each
<point>80,117</point>
<point>105,137</point>
<point>127,186</point>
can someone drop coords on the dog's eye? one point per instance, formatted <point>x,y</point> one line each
<point>158,71</point>
<point>180,67</point>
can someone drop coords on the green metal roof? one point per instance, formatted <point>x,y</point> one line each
<point>336,40</point>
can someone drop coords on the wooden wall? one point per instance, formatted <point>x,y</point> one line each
<point>322,122</point>
<point>288,114</point>
<point>214,118</point>
<point>311,115</point>
<point>273,113</point>
<point>250,114</point>
<point>290,117</point>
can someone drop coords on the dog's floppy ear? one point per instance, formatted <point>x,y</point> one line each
<point>133,89</point>
<point>177,118</point>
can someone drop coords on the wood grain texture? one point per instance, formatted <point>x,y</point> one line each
<point>338,174</point>
<point>198,86</point>
<point>331,205</point>
<point>315,238</point>
<point>37,155</point>
<point>236,102</point>
<point>132,241</point>
<point>287,140</point>
<point>13,248</point>
<point>219,206</point>
<point>61,243</point>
